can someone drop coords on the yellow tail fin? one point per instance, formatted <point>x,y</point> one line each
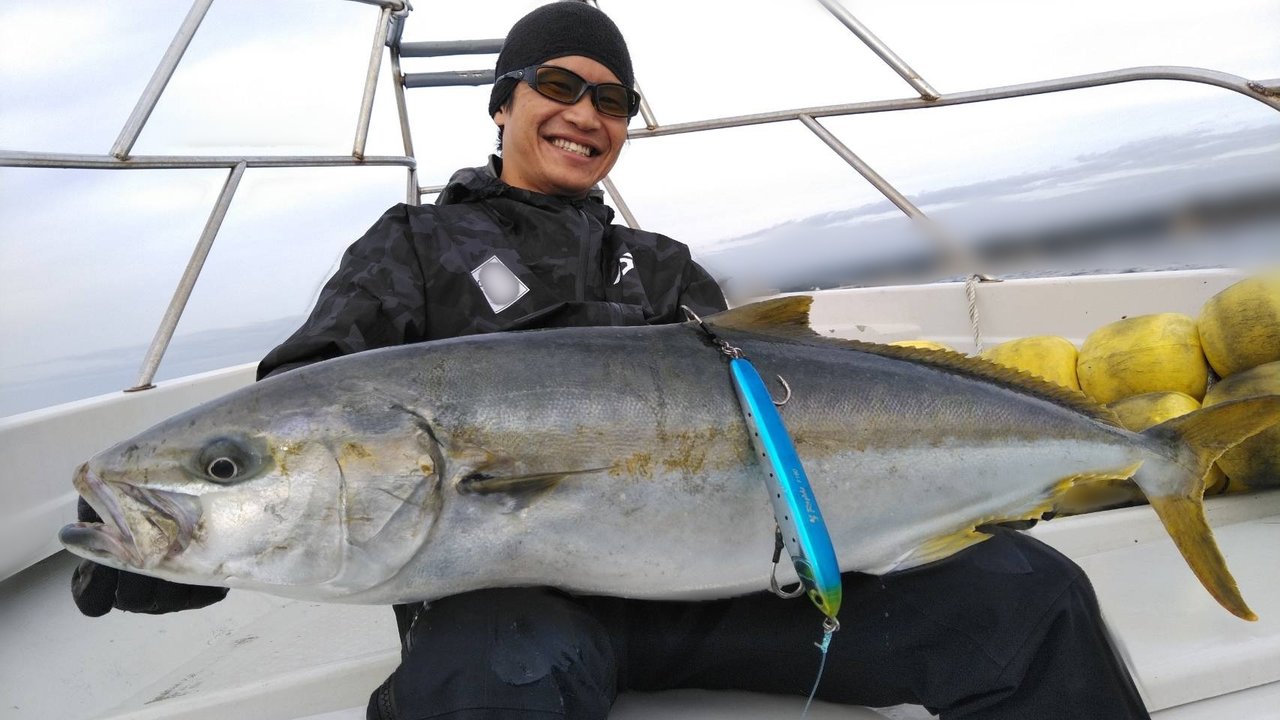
<point>1175,488</point>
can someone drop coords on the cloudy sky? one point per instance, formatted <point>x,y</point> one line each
<point>88,259</point>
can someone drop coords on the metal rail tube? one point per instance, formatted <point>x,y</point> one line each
<point>182,294</point>
<point>371,83</point>
<point>448,78</point>
<point>863,168</point>
<point>1269,88</point>
<point>646,112</point>
<point>393,4</point>
<point>14,158</point>
<point>879,48</point>
<point>159,79</point>
<point>396,31</point>
<point>402,110</point>
<point>402,107</point>
<point>1113,77</point>
<point>444,48</point>
<point>412,194</point>
<point>612,189</point>
<point>954,251</point>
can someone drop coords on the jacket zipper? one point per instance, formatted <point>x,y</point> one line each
<point>584,251</point>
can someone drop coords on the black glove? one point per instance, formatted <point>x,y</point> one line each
<point>98,588</point>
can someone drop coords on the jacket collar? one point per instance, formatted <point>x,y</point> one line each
<point>484,183</point>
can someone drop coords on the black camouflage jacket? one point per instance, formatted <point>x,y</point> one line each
<point>488,257</point>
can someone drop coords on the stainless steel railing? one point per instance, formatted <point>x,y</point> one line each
<point>119,158</point>
<point>388,33</point>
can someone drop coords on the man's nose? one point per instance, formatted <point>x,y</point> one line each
<point>583,113</point>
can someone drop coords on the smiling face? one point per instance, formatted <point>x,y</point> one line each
<point>557,149</point>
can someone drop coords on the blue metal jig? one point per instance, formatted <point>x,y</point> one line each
<point>795,507</point>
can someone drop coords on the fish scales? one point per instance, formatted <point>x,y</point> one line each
<point>605,460</point>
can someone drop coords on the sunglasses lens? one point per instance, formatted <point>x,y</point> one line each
<point>559,85</point>
<point>614,100</point>
<point>566,87</point>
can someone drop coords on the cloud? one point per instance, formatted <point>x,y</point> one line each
<point>32,57</point>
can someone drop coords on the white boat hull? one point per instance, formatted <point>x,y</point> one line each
<point>256,656</point>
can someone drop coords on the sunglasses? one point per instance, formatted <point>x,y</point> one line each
<point>565,86</point>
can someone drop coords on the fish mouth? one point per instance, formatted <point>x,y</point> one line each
<point>172,515</point>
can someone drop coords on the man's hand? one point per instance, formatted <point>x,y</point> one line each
<point>98,588</point>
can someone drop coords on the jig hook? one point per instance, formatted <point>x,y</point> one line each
<point>786,387</point>
<point>773,574</point>
<point>777,589</point>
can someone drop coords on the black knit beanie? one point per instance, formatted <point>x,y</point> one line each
<point>556,30</point>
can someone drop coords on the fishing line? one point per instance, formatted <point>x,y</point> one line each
<point>829,627</point>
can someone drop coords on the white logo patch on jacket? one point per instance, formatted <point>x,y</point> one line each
<point>500,286</point>
<point>625,265</point>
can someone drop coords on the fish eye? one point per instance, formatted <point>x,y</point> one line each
<point>223,468</point>
<point>226,459</point>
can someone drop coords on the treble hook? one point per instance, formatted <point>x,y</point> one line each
<point>786,387</point>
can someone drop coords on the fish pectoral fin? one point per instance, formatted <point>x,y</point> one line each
<point>482,483</point>
<point>520,489</point>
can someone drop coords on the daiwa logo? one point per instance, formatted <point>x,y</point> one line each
<point>500,286</point>
<point>808,501</point>
<point>626,264</point>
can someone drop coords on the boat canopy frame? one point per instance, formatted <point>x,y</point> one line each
<point>388,34</point>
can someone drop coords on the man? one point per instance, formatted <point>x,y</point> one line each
<point>1007,629</point>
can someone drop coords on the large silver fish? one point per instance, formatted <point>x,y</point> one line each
<point>616,461</point>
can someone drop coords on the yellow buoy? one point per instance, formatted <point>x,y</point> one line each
<point>924,344</point>
<point>1240,326</point>
<point>1139,412</point>
<point>1254,463</point>
<point>1047,356</point>
<point>1147,353</point>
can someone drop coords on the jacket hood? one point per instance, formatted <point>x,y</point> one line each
<point>483,183</point>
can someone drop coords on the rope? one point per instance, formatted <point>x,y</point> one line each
<point>971,292</point>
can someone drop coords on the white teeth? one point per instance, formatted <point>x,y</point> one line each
<point>571,146</point>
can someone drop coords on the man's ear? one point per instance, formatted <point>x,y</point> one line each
<point>500,117</point>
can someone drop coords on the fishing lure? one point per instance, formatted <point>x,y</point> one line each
<point>795,507</point>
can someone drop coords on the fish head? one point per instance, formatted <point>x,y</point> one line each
<point>304,501</point>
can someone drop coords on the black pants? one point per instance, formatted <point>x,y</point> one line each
<point>1008,629</point>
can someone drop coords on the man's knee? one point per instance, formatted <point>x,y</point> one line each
<point>513,652</point>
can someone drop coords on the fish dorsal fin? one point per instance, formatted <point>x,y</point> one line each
<point>788,317</point>
<point>1016,380</point>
